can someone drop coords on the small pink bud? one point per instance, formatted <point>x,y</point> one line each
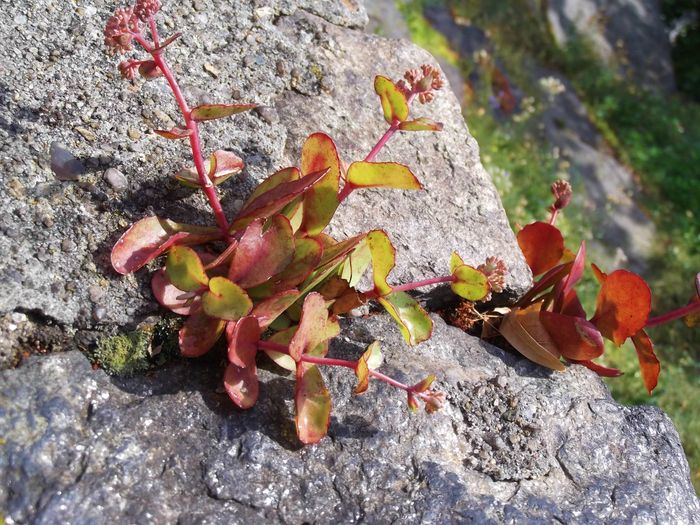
<point>495,270</point>
<point>434,401</point>
<point>562,192</point>
<point>119,30</point>
<point>145,9</point>
<point>149,70</point>
<point>128,69</point>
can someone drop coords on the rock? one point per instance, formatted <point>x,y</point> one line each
<point>116,179</point>
<point>169,448</point>
<point>629,34</point>
<point>64,164</point>
<point>331,91</point>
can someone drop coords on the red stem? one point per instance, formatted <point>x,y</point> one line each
<point>553,216</point>
<point>191,124</point>
<point>373,294</point>
<point>673,314</point>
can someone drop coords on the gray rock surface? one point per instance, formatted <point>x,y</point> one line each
<point>300,59</point>
<point>627,33</point>
<point>514,444</point>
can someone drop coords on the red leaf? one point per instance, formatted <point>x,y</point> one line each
<point>648,362</point>
<point>599,369</point>
<point>243,336</point>
<point>173,133</point>
<point>199,334</point>
<point>150,237</point>
<point>623,306</point>
<point>550,278</point>
<point>574,276</point>
<point>320,200</point>
<point>315,326</point>
<point>267,310</point>
<point>543,246</point>
<point>575,337</point>
<point>169,296</point>
<point>242,385</point>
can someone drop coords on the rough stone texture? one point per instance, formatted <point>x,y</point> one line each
<point>628,33</point>
<point>310,72</point>
<point>514,444</point>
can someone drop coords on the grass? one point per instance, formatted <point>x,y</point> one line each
<point>657,136</point>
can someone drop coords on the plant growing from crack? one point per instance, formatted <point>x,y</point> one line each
<point>549,322</point>
<point>270,279</point>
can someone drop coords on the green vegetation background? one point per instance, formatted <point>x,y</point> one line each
<point>657,137</point>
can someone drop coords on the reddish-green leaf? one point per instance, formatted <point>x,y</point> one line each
<point>152,236</point>
<point>199,334</point>
<point>185,270</point>
<point>623,306</point>
<point>313,404</point>
<point>226,300</point>
<point>356,263</point>
<point>692,320</point>
<point>242,385</point>
<point>382,175</point>
<point>171,297</point>
<point>243,337</point>
<point>321,200</point>
<point>173,133</point>
<point>269,309</point>
<point>470,284</point>
<point>542,244</point>
<point>274,200</point>
<point>424,384</point>
<point>369,360</point>
<point>283,360</point>
<point>574,337</point>
<point>220,166</point>
<point>523,329</point>
<point>214,111</point>
<point>414,323</point>
<point>394,104</point>
<point>383,256</point>
<point>648,362</point>
<point>271,182</point>
<point>333,256</point>
<point>420,124</point>
<point>315,327</point>
<point>264,250</point>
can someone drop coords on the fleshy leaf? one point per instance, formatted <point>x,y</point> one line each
<point>226,300</point>
<point>692,320</point>
<point>171,297</point>
<point>420,124</point>
<point>362,373</point>
<point>264,250</point>
<point>315,326</point>
<point>313,404</point>
<point>173,133</point>
<point>344,297</point>
<point>215,111</point>
<point>363,174</point>
<point>199,334</point>
<point>271,182</point>
<point>601,370</point>
<point>283,360</point>
<point>321,200</point>
<point>185,270</point>
<point>356,264</point>
<point>267,310</point>
<point>565,297</point>
<point>470,284</point>
<point>220,166</point>
<point>152,236</point>
<point>394,104</point>
<point>243,336</point>
<point>455,261</point>
<point>242,385</point>
<point>648,362</point>
<point>623,306</point>
<point>574,337</point>
<point>523,329</point>
<point>543,246</point>
<point>424,384</point>
<point>333,256</point>
<point>414,323</point>
<point>383,259</point>
<point>274,200</point>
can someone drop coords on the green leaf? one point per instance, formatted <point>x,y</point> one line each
<point>313,404</point>
<point>226,300</point>
<point>264,250</point>
<point>215,111</point>
<point>356,263</point>
<point>185,270</point>
<point>383,259</point>
<point>363,174</point>
<point>199,334</point>
<point>173,133</point>
<point>321,199</point>
<point>282,338</point>
<point>414,323</point>
<point>152,236</point>
<point>393,101</point>
<point>370,360</point>
<point>242,385</point>
<point>470,284</point>
<point>243,337</point>
<point>268,310</point>
<point>455,261</point>
<point>420,124</point>
<point>315,326</point>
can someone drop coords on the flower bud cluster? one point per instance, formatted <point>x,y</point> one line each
<point>562,192</point>
<point>145,9</point>
<point>119,30</point>
<point>422,82</point>
<point>495,271</point>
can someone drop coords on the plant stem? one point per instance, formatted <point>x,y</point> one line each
<point>673,314</point>
<point>373,294</point>
<point>191,124</point>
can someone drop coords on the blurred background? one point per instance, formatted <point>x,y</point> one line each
<point>604,94</point>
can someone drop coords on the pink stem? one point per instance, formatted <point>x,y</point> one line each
<point>191,124</point>
<point>373,294</point>
<point>553,217</point>
<point>673,314</point>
